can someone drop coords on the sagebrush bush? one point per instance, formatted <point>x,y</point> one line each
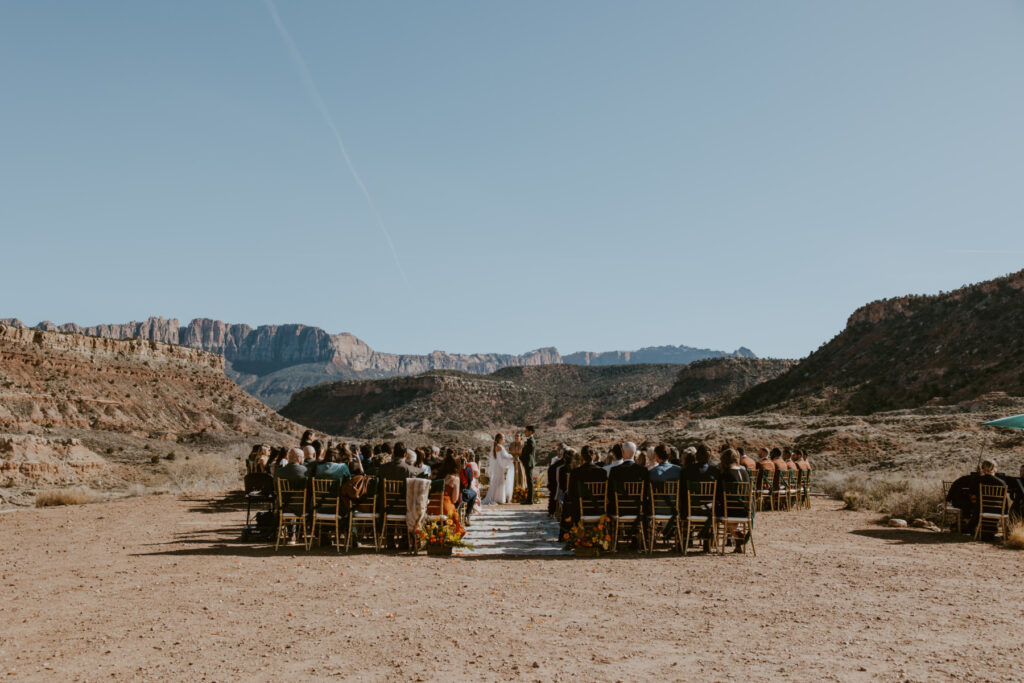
<point>1015,536</point>
<point>889,494</point>
<point>79,495</point>
<point>204,473</point>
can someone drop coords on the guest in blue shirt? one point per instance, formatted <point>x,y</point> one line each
<point>664,470</point>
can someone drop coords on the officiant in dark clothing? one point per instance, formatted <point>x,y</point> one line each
<point>529,460</point>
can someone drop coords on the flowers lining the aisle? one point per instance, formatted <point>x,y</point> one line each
<point>442,534</point>
<point>592,536</point>
<point>519,494</point>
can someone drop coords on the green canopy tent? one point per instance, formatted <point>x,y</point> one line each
<point>1015,422</point>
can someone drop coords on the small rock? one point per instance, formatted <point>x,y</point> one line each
<point>920,523</point>
<point>898,523</point>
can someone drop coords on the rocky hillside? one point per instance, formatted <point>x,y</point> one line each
<point>705,386</point>
<point>68,397</point>
<point>551,395</point>
<point>680,355</point>
<point>909,352</point>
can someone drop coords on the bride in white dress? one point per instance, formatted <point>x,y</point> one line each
<point>500,469</point>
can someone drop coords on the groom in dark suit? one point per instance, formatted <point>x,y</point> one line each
<point>529,459</point>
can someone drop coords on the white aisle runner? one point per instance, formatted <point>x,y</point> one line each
<point>513,530</point>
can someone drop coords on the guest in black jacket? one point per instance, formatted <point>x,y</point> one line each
<point>627,471</point>
<point>588,471</point>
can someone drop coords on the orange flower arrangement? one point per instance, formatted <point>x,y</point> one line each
<point>446,532</point>
<point>588,536</point>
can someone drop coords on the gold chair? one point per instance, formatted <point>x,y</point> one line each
<point>948,510</point>
<point>664,511</point>
<point>326,512</point>
<point>992,510</point>
<point>291,510</point>
<point>764,488</point>
<point>737,514</point>
<point>394,511</point>
<point>805,489</point>
<point>629,511</point>
<point>700,511</point>
<point>365,514</point>
<point>592,501</point>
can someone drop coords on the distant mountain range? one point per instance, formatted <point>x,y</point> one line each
<point>272,362</point>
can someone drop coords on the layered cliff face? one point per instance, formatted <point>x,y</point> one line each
<point>908,352</point>
<point>548,395</point>
<point>681,355</point>
<point>272,362</point>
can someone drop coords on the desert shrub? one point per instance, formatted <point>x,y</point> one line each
<point>1015,536</point>
<point>204,473</point>
<point>892,495</point>
<point>136,490</point>
<point>74,496</point>
<point>154,459</point>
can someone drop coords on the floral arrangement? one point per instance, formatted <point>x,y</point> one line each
<point>445,533</point>
<point>519,494</point>
<point>583,535</point>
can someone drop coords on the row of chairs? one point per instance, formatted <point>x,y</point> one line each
<point>783,490</point>
<point>650,509</point>
<point>319,509</point>
<point>993,510</point>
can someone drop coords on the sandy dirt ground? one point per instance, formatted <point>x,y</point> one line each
<point>159,588</point>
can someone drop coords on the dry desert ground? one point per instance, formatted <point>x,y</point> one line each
<point>159,588</point>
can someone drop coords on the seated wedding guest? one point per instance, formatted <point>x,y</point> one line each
<point>702,468</point>
<point>986,478</point>
<point>449,471</point>
<point>552,482</point>
<point>626,471</point>
<point>355,466</point>
<point>616,457</point>
<point>778,460</point>
<point>663,469</point>
<point>746,460</point>
<point>308,455</point>
<point>673,456</point>
<point>398,469</point>
<point>294,472</point>
<point>410,459</point>
<point>365,453</point>
<point>962,494</point>
<point>420,461</point>
<point>1016,485</point>
<point>570,461</point>
<point>319,449</point>
<point>469,496</point>
<point>332,466</point>
<point>689,456</point>
<point>587,471</point>
<point>731,472</point>
<point>765,469</point>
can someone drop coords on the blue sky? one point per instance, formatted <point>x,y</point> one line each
<point>589,175</point>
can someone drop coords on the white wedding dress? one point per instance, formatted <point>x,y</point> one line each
<point>499,491</point>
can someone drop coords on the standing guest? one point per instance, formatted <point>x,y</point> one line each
<point>307,438</point>
<point>474,485</point>
<point>663,469</point>
<point>616,458</point>
<point>529,459</point>
<point>516,449</point>
<point>556,461</point>
<point>747,461</point>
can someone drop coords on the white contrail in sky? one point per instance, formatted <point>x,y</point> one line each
<point>314,94</point>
